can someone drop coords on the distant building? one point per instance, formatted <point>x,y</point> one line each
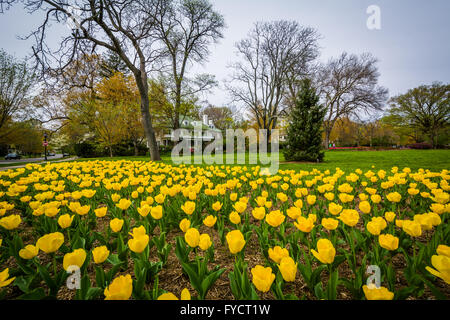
<point>187,132</point>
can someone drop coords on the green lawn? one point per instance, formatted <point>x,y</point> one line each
<point>435,160</point>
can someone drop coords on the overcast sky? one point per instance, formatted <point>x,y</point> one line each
<point>412,45</point>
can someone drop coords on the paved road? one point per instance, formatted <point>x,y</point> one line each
<point>57,156</point>
<point>15,166</point>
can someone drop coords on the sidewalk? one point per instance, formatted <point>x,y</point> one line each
<point>39,162</point>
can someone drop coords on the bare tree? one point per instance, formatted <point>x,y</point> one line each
<point>273,57</point>
<point>187,28</point>
<point>125,27</point>
<point>16,82</point>
<point>348,86</point>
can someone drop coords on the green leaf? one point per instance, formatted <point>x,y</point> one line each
<point>36,294</point>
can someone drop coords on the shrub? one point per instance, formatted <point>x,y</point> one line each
<point>421,145</point>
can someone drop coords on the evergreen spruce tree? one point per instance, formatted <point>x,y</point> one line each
<point>304,133</point>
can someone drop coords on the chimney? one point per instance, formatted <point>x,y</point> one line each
<point>205,119</point>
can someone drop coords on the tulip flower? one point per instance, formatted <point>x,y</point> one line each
<point>294,213</point>
<point>412,228</point>
<point>75,258</point>
<point>116,224</point>
<point>156,212</point>
<point>4,275</point>
<point>334,208</point>
<point>51,242</point>
<point>325,251</point>
<point>123,204</point>
<point>65,221</point>
<point>304,224</point>
<point>235,240</point>
<point>277,253</point>
<point>10,222</point>
<point>204,242</point>
<point>330,223</point>
<point>275,218</point>
<point>394,197</point>
<point>100,212</point>
<point>138,243</point>
<point>100,254</point>
<point>192,237</point>
<point>188,207</point>
<point>235,217</point>
<point>210,221</point>
<point>373,293</point>
<point>29,252</point>
<point>441,263</point>
<point>288,269</point>
<point>259,213</point>
<point>388,241</point>
<point>184,225</point>
<point>240,206</point>
<point>119,289</point>
<point>185,295</point>
<point>144,210</point>
<point>349,216</point>
<point>262,278</point>
<point>364,206</point>
<point>389,216</point>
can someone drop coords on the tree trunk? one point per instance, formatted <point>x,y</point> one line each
<point>327,137</point>
<point>110,151</point>
<point>141,82</point>
<point>136,152</point>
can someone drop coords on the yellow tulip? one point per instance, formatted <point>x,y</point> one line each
<point>412,228</point>
<point>144,210</point>
<point>100,212</point>
<point>275,218</point>
<point>294,212</point>
<point>389,216</point>
<point>334,208</point>
<point>259,213</point>
<point>441,263</point>
<point>326,251</point>
<point>139,242</point>
<point>188,207</point>
<point>4,275</point>
<point>394,197</point>
<point>204,242</point>
<point>185,224</point>
<point>262,278</point>
<point>349,216</point>
<point>192,237</point>
<point>364,206</point>
<point>51,242</point>
<point>116,224</point>
<point>277,253</point>
<point>240,206</point>
<point>65,221</point>
<point>160,198</point>
<point>330,223</point>
<point>288,269</point>
<point>10,222</point>
<point>100,254</point>
<point>120,288</point>
<point>388,241</point>
<point>156,212</point>
<point>311,200</point>
<point>29,252</point>
<point>441,250</point>
<point>75,258</point>
<point>304,224</point>
<point>210,221</point>
<point>123,204</point>
<point>235,240</point>
<point>373,293</point>
<point>235,217</point>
